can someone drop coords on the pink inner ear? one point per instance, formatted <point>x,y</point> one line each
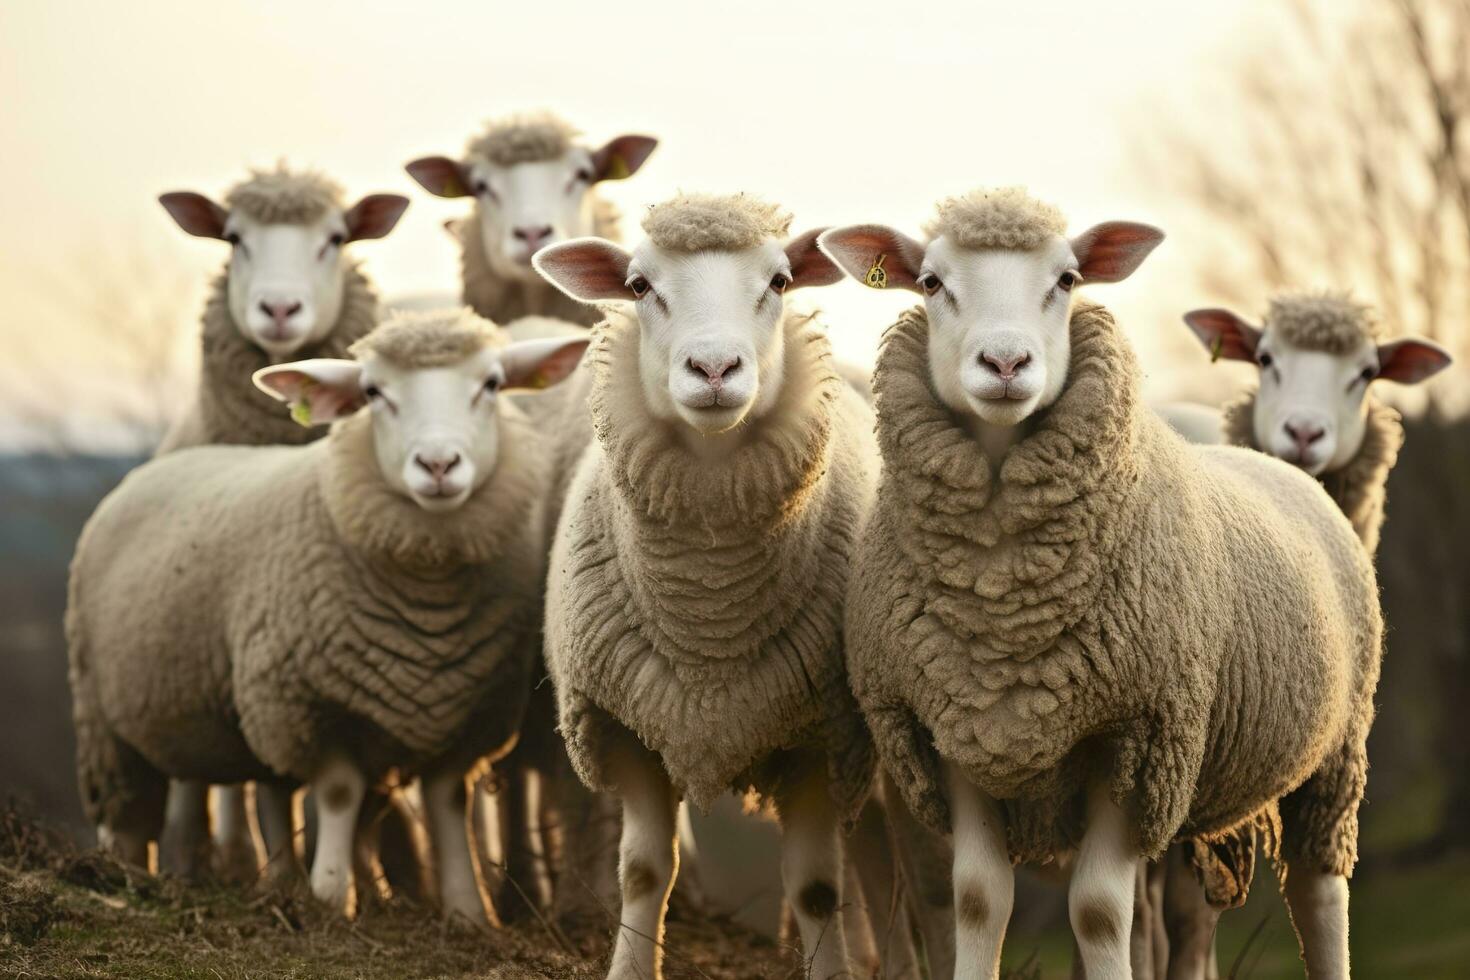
<point>860,247</point>
<point>621,157</point>
<point>809,266</point>
<point>1410,361</point>
<point>588,270</point>
<point>195,213</point>
<point>440,175</point>
<point>1224,334</point>
<point>374,216</point>
<point>1111,251</point>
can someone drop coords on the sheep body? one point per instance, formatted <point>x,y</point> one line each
<point>234,611</point>
<point>1116,602</point>
<point>698,609</point>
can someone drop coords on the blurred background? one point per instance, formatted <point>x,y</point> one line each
<point>1294,144</point>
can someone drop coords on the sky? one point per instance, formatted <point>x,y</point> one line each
<point>842,112</point>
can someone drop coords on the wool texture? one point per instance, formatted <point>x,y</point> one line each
<point>1360,487</point>
<point>429,339</point>
<point>501,298</point>
<point>523,138</point>
<point>285,196</point>
<point>696,605</point>
<point>228,409</point>
<point>1195,625</point>
<point>1007,217</point>
<point>715,222</point>
<point>237,612</point>
<point>1331,322</point>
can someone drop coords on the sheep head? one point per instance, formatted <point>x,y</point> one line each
<point>288,268</point>
<point>532,183</point>
<point>707,286</point>
<point>432,382</point>
<point>1317,355</point>
<point>997,275</point>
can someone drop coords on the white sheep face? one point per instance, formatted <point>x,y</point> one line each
<point>527,206</point>
<point>999,319</point>
<point>711,350</point>
<point>434,428</point>
<point>1311,406</point>
<point>285,280</point>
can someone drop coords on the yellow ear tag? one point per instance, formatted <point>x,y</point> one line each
<point>301,413</point>
<point>617,168</point>
<point>1215,349</point>
<point>876,277</point>
<point>537,380</point>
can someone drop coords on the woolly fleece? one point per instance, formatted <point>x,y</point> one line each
<point>284,196</point>
<point>697,605</point>
<point>1007,217</point>
<point>1197,625</point>
<point>523,138</point>
<point>715,222</point>
<point>236,612</point>
<point>429,339</point>
<point>1330,322</point>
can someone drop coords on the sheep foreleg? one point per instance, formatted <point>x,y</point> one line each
<point>984,882</point>
<point>339,788</point>
<point>445,802</point>
<point>648,862</point>
<point>1100,900</point>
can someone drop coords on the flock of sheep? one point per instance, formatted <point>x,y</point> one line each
<point>985,607</point>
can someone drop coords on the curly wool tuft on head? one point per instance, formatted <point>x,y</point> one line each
<point>524,138</point>
<point>1331,322</point>
<point>1005,217</point>
<point>285,196</point>
<point>429,339</point>
<point>715,222</point>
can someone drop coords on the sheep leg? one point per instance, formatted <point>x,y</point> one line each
<point>648,861</point>
<point>339,787</point>
<point>1190,920</point>
<point>183,846</point>
<point>688,900</point>
<point>1319,910</point>
<point>927,861</point>
<point>520,872</point>
<point>811,868</point>
<point>273,806</point>
<point>1100,899</point>
<point>445,802</point>
<point>870,855</point>
<point>984,881</point>
<point>1153,883</point>
<point>234,849</point>
<point>1141,935</point>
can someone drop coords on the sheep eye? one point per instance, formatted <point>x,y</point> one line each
<point>780,281</point>
<point>492,384</point>
<point>371,391</point>
<point>1265,359</point>
<point>337,240</point>
<point>639,285</point>
<point>930,283</point>
<point>482,189</point>
<point>233,238</point>
<point>1368,373</point>
<point>584,175</point>
<point>1068,279</point>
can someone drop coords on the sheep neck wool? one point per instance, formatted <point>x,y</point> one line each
<point>233,411</point>
<point>706,598</point>
<point>1360,486</point>
<point>502,300</point>
<point>1036,530</point>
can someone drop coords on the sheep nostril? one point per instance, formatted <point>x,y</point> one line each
<point>1006,367</point>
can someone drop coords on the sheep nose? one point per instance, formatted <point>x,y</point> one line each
<point>1304,434</point>
<point>533,237</point>
<point>280,312</point>
<point>1006,367</point>
<point>439,466</point>
<point>714,369</point>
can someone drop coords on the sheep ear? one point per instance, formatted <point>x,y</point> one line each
<point>1224,334</point>
<point>1411,360</point>
<point>374,216</point>
<point>875,255</point>
<point>318,390</point>
<point>542,363</point>
<point>195,213</point>
<point>1109,252</point>
<point>441,176</point>
<point>621,157</point>
<point>586,269</point>
<point>810,266</point>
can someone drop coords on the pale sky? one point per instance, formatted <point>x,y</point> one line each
<point>842,112</point>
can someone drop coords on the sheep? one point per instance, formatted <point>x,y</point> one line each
<point>694,598</point>
<point>324,613</point>
<point>288,290</point>
<point>1068,629</point>
<point>1318,354</point>
<point>534,184</point>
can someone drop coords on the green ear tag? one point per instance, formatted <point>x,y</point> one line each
<point>876,277</point>
<point>617,168</point>
<point>301,413</point>
<point>1215,349</point>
